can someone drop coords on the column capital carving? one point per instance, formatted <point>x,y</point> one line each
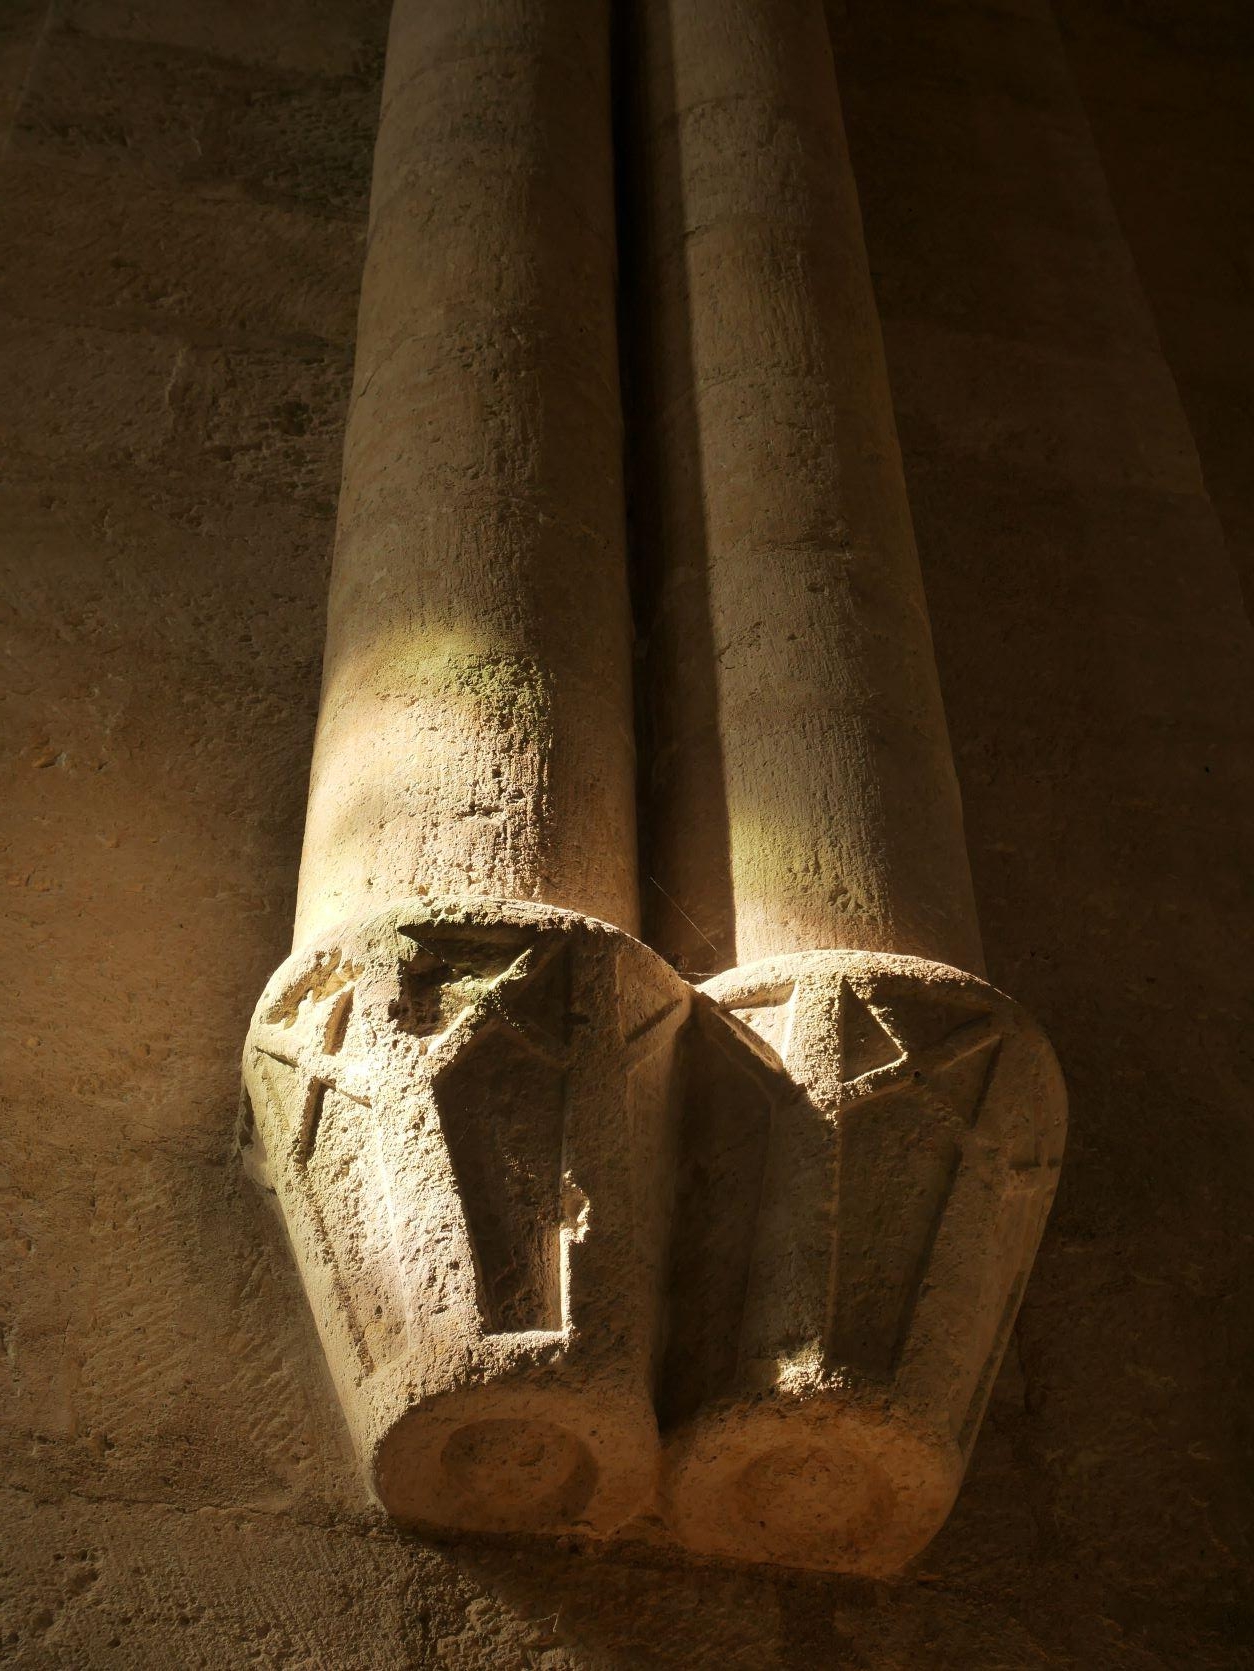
<point>545,1196</point>
<point>915,1120</point>
<point>464,1111</point>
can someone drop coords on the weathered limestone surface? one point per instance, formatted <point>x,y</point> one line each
<point>468,1147</point>
<point>526,1202</point>
<point>898,1128</point>
<point>475,735</point>
<point>801,791</point>
<point>471,1114</point>
<point>189,183</point>
<point>802,798</point>
<point>467,1116</point>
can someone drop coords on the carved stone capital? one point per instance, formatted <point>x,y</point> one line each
<point>544,1197</point>
<point>464,1112</point>
<point>870,1153</point>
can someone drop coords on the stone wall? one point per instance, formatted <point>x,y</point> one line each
<point>184,194</point>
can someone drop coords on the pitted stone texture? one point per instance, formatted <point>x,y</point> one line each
<point>890,1132</point>
<point>475,729</point>
<point>465,1114</point>
<point>800,785</point>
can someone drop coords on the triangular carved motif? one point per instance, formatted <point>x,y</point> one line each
<point>865,1043</point>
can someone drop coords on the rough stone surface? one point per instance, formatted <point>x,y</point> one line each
<point>800,790</point>
<point>895,1128</point>
<point>181,1492</point>
<point>539,1213</point>
<point>475,736</point>
<point>468,1118</point>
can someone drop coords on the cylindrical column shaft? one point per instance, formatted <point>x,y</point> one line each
<point>475,731</point>
<point>801,790</point>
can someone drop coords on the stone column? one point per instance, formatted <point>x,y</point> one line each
<point>801,790</point>
<point>475,731</point>
<point>458,1086</point>
<point>462,1087</point>
<point>873,1132</point>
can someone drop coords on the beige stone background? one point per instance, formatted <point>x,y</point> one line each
<point>1060,217</point>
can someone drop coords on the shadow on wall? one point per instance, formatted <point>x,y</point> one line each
<point>1094,658</point>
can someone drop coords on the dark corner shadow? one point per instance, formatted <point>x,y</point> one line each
<point>682,803</point>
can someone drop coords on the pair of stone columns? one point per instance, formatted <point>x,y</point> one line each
<point>593,1247</point>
